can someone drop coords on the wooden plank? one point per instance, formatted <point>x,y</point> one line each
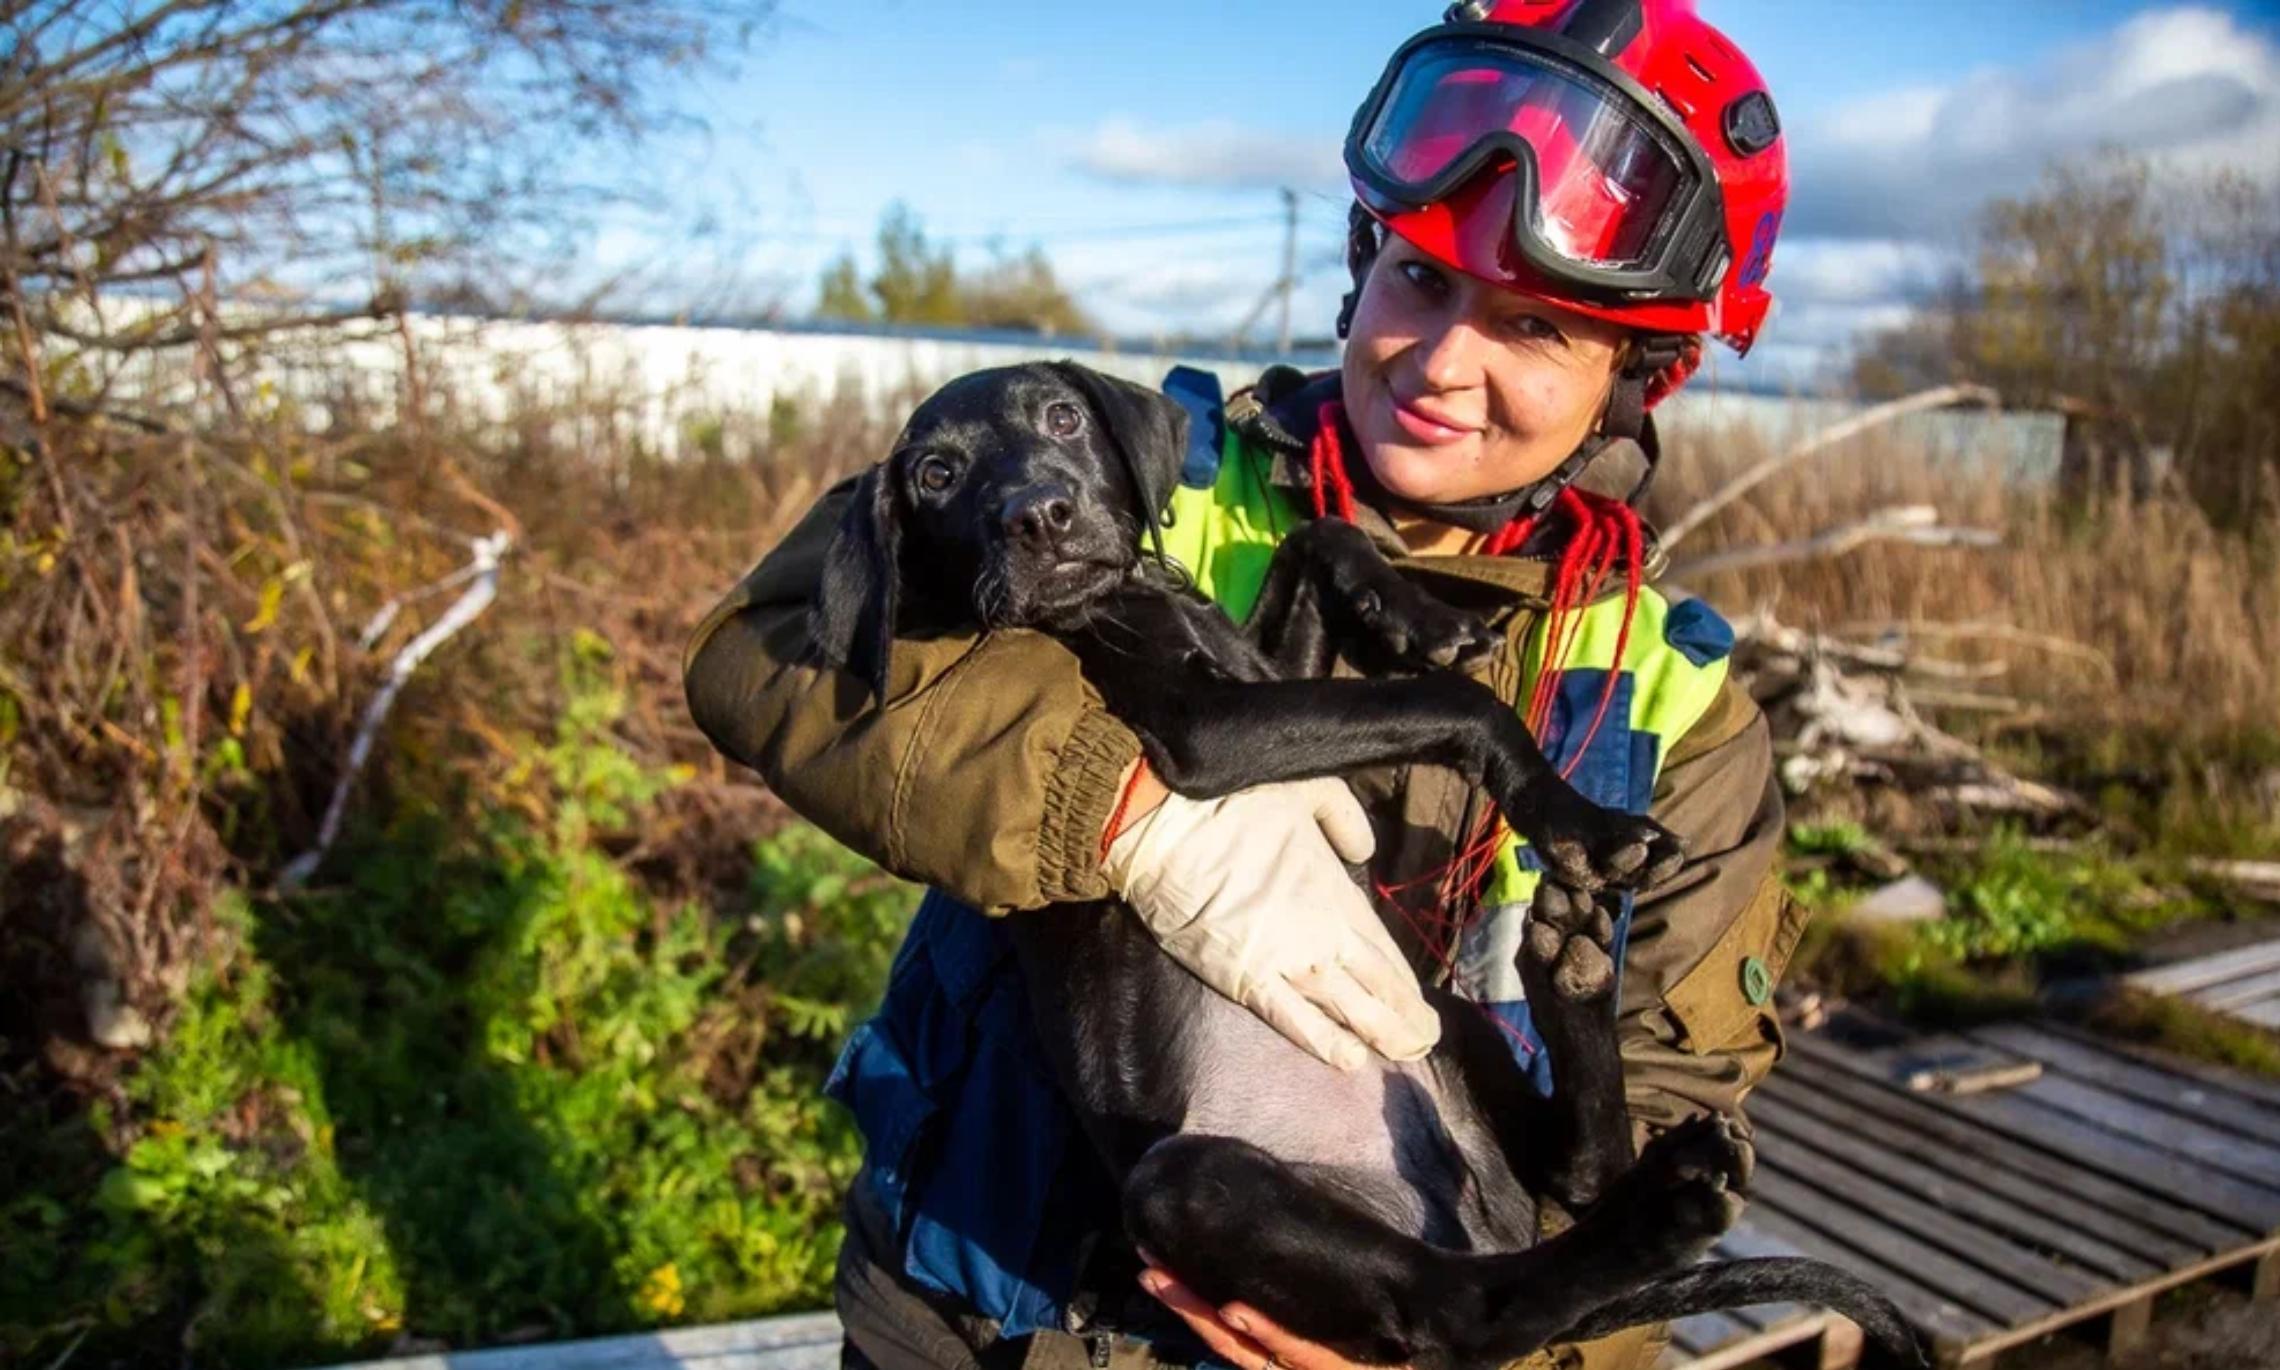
<point>2249,989</point>
<point>2252,1207</point>
<point>2228,1153</point>
<point>2266,1014</point>
<point>1841,1346</point>
<point>2264,1277</point>
<point>1703,1333</point>
<point>1878,1202</point>
<point>1743,1243</point>
<point>2252,1088</point>
<point>2098,1212</point>
<point>1756,1346</point>
<point>2020,1336</point>
<point>2149,1212</point>
<point>2182,977</point>
<point>2178,1093</point>
<point>1981,1193</point>
<point>1961,1281</point>
<point>1949,1323</point>
<point>2127,1326</point>
<point>796,1341</point>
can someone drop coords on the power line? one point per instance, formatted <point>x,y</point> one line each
<point>1097,232</point>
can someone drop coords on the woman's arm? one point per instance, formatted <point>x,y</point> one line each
<point>989,772</point>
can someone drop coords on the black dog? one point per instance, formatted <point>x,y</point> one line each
<point>1389,1212</point>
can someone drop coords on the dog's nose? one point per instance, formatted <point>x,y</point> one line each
<point>1037,518</point>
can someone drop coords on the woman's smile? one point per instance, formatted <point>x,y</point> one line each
<point>1428,422</point>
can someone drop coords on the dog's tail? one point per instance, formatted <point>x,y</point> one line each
<point>1773,1279</point>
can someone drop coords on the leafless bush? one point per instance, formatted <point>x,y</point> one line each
<point>314,159</point>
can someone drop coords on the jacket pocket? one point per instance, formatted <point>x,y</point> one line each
<point>1726,1001</point>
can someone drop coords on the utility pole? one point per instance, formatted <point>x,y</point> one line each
<point>1289,282</point>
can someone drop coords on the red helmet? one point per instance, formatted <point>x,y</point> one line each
<point>1619,158</point>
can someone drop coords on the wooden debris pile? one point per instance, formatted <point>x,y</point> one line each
<point>1853,712</point>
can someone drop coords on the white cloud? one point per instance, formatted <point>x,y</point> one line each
<point>1893,117</point>
<point>1855,271</point>
<point>1219,154</point>
<point>2190,88</point>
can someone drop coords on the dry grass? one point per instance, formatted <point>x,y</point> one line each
<point>2135,615</point>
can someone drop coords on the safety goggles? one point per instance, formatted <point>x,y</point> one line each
<point>1612,197</point>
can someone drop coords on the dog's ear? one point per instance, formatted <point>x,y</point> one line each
<point>852,621</point>
<point>1148,428</point>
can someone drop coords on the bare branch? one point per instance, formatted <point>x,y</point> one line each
<point>1940,398</point>
<point>1913,523</point>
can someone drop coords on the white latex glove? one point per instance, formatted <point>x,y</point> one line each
<point>1248,891</point>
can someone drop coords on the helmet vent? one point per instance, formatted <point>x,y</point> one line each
<point>1695,66</point>
<point>1750,124</point>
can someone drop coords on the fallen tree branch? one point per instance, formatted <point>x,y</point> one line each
<point>1912,523</point>
<point>1762,630</point>
<point>1973,701</point>
<point>483,572</point>
<point>2009,794</point>
<point>1940,398</point>
<point>2256,879</point>
<point>1990,632</point>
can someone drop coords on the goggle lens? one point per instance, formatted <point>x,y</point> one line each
<point>1605,183</point>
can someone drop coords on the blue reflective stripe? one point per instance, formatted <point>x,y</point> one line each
<point>1617,769</point>
<point>977,1232</point>
<point>1527,1044</point>
<point>1605,772</point>
<point>1197,392</point>
<point>966,1136</point>
<point>1698,632</point>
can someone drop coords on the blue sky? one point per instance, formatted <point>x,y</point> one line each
<point>1141,144</point>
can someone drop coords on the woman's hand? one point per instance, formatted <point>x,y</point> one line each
<point>1250,892</point>
<point>1239,1334</point>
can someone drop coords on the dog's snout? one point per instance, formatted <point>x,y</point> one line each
<point>1039,517</point>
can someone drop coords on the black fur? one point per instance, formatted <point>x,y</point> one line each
<point>1390,1212</point>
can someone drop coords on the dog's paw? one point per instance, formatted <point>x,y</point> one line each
<point>1416,629</point>
<point>1587,847</point>
<point>1689,1184</point>
<point>1569,947</point>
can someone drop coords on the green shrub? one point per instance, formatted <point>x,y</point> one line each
<point>489,1087</point>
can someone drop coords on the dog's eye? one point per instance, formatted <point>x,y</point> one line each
<point>1063,419</point>
<point>935,475</point>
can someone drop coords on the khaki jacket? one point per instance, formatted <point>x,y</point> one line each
<point>992,767</point>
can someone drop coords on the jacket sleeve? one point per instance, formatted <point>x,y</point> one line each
<point>988,772</point>
<point>1697,1023</point>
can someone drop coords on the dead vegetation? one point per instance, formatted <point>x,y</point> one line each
<point>188,634</point>
<point>2124,613</point>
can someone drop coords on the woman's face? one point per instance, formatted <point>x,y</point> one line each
<point>1458,389</point>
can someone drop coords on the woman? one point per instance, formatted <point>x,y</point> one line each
<point>1555,201</point>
